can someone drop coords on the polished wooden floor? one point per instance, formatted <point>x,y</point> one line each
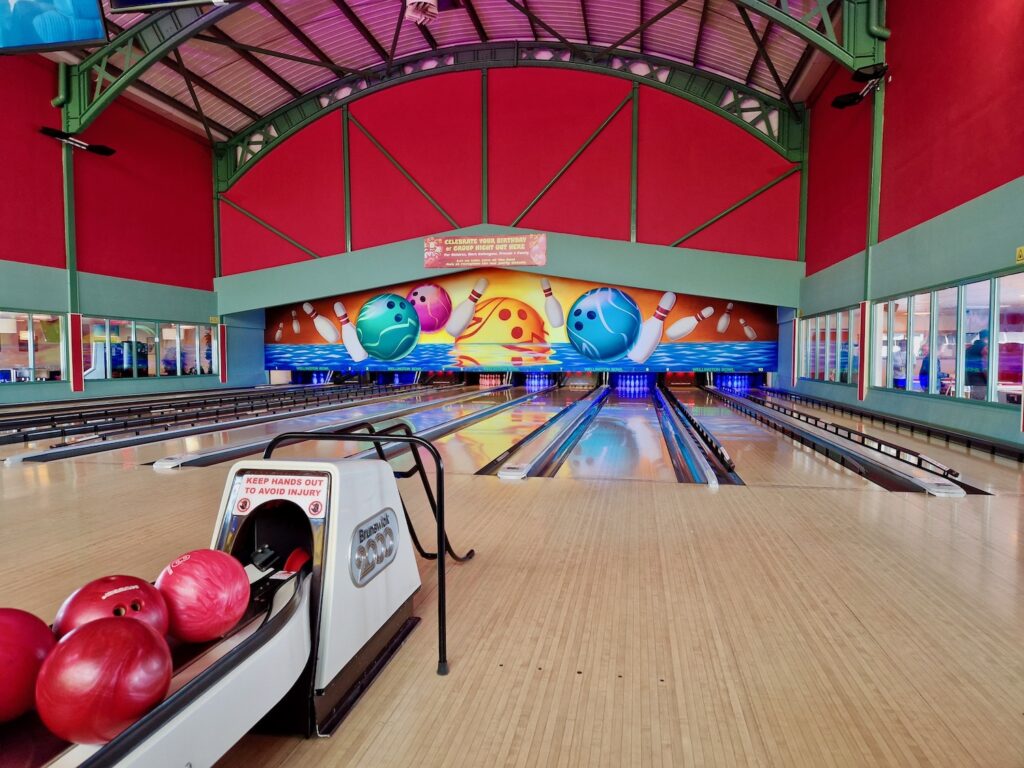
<point>630,623</point>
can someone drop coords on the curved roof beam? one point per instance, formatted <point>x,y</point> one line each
<point>93,84</point>
<point>760,115</point>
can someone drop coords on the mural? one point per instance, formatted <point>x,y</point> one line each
<point>497,319</point>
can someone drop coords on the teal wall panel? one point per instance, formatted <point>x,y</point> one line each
<point>26,286</point>
<point>104,296</point>
<point>245,349</point>
<point>838,286</point>
<point>702,273</point>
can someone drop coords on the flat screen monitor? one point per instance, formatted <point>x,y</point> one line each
<point>136,6</point>
<point>50,25</point>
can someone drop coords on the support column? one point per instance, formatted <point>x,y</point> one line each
<point>73,340</point>
<point>484,154</point>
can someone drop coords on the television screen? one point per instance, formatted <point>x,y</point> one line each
<point>134,6</point>
<point>50,25</point>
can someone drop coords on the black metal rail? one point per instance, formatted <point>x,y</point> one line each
<point>442,536</point>
<point>994,447</point>
<point>714,446</point>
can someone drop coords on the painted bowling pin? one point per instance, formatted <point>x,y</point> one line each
<point>684,327</point>
<point>349,337</point>
<point>750,333</point>
<point>280,332</point>
<point>723,321</point>
<point>323,326</point>
<point>551,306</point>
<point>295,322</point>
<point>461,316</point>
<point>651,330</point>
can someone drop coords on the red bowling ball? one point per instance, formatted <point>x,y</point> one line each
<point>207,591</point>
<point>113,596</point>
<point>25,641</point>
<point>101,678</point>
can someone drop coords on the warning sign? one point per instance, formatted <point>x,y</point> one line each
<point>1020,255</point>
<point>307,489</point>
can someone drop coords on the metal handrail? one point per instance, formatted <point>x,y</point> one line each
<point>411,440</point>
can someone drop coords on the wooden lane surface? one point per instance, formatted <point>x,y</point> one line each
<point>995,474</point>
<point>765,457</point>
<point>628,623</point>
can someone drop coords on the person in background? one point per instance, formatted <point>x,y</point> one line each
<point>899,366</point>
<point>976,366</point>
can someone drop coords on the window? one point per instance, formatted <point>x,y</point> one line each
<point>15,363</point>
<point>976,340</point>
<point>170,364</point>
<point>921,324</point>
<point>95,345</point>
<point>812,348</point>
<point>855,344</point>
<point>822,349</point>
<point>945,340</point>
<point>189,350</point>
<point>47,350</point>
<point>122,353</point>
<point>830,348</point>
<point>208,360</point>
<point>1010,339</point>
<point>146,348</point>
<point>880,347</point>
<point>843,347</point>
<point>898,344</point>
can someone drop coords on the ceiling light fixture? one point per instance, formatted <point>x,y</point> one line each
<point>871,77</point>
<point>71,140</point>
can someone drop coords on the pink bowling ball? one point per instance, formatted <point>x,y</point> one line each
<point>433,305</point>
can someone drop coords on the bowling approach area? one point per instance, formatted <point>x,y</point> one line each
<point>549,384</point>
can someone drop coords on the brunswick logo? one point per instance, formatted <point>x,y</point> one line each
<point>374,545</point>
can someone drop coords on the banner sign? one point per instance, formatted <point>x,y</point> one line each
<point>529,250</point>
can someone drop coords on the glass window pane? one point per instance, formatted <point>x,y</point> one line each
<point>14,359</point>
<point>146,348</point>
<point>822,342</point>
<point>206,347</point>
<point>976,315</point>
<point>830,373</point>
<point>189,351</point>
<point>169,355</point>
<point>1011,338</point>
<point>945,339</point>
<point>855,345</point>
<point>95,342</point>
<point>48,350</point>
<point>920,344</point>
<point>898,348</point>
<point>812,347</point>
<point>122,355</point>
<point>880,332</point>
<point>843,342</point>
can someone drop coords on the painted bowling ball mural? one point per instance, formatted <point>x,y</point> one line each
<point>388,327</point>
<point>504,321</point>
<point>603,324</point>
<point>433,305</point>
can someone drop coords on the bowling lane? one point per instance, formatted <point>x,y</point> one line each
<point>624,442</point>
<point>995,474</point>
<point>142,454</point>
<point>469,449</point>
<point>763,456</point>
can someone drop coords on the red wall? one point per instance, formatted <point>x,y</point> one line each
<point>145,213</point>
<point>838,176</point>
<point>954,112</point>
<point>692,165</point>
<point>31,203</point>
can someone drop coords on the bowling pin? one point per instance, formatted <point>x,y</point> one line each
<point>295,322</point>
<point>651,330</point>
<point>463,314</point>
<point>723,321</point>
<point>551,306</point>
<point>280,332</point>
<point>750,333</point>
<point>684,327</point>
<point>349,337</point>
<point>323,326</point>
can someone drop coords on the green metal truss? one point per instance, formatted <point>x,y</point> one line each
<point>863,37</point>
<point>763,116</point>
<point>101,77</point>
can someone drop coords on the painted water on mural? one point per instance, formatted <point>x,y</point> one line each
<point>694,356</point>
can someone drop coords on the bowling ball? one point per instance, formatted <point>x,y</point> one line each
<point>116,596</point>
<point>603,324</point>
<point>25,641</point>
<point>207,591</point>
<point>101,678</point>
<point>503,320</point>
<point>433,305</point>
<point>388,327</point>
